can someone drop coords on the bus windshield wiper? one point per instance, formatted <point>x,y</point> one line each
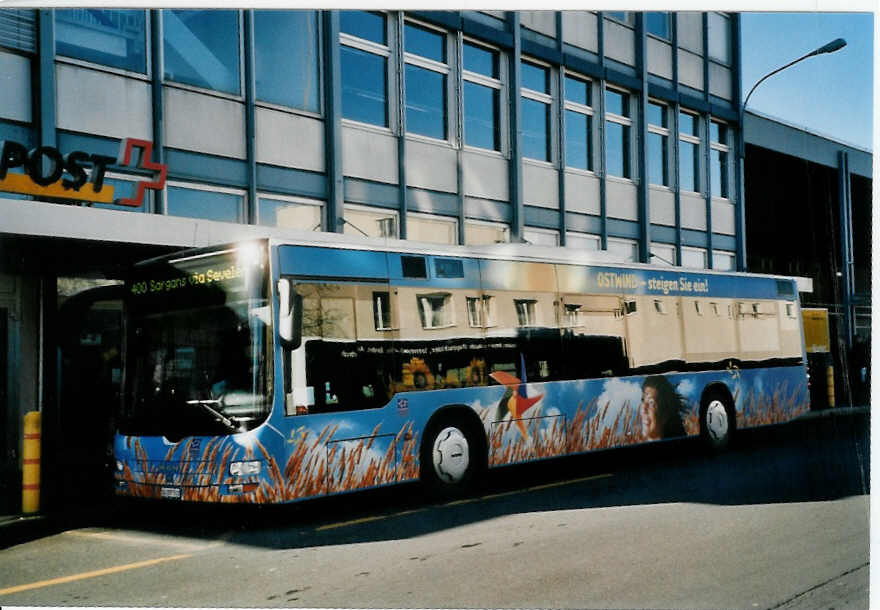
<point>207,406</point>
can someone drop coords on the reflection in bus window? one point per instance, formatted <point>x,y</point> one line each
<point>435,310</point>
<point>382,311</point>
<point>481,311</point>
<point>526,312</point>
<point>439,364</point>
<point>345,373</point>
<point>571,314</point>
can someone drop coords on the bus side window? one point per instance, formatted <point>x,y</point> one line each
<point>592,335</point>
<point>344,372</point>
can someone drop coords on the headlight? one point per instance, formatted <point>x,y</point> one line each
<point>238,469</point>
<point>120,466</point>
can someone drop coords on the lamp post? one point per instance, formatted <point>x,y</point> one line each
<point>831,47</point>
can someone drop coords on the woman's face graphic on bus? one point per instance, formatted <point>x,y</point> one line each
<point>651,429</point>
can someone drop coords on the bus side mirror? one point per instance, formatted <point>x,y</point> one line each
<point>290,315</point>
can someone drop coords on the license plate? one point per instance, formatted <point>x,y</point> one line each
<point>172,493</point>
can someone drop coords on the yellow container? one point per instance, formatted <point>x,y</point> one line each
<point>817,335</point>
<point>30,472</point>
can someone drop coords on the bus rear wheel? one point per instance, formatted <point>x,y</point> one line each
<point>450,457</point>
<point>717,421</point>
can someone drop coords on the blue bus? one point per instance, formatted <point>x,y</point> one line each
<point>275,371</point>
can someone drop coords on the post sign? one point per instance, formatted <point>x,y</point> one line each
<point>76,175</point>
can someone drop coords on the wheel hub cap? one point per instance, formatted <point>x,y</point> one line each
<point>451,457</point>
<point>716,420</point>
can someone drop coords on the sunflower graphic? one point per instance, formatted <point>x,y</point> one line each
<point>475,373</point>
<point>417,375</point>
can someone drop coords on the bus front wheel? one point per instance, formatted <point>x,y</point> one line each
<point>717,420</point>
<point>450,457</point>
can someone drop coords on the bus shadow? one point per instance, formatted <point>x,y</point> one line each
<point>804,461</point>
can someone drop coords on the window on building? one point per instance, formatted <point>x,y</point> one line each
<point>426,76</point>
<point>364,58</point>
<point>583,241</point>
<point>723,260</point>
<point>541,237</point>
<point>289,39</point>
<point>526,312</point>
<point>536,104</point>
<point>658,144</point>
<point>482,89</point>
<point>202,48</point>
<point>658,24</point>
<point>477,233</point>
<point>578,124</point>
<point>369,222</point>
<point>628,249</point>
<point>695,258</point>
<point>365,25</point>
<point>209,202</point>
<point>123,186</point>
<point>627,17</point>
<point>430,228</point>
<point>618,124</point>
<point>718,133</point>
<point>689,152</point>
<point>18,29</point>
<point>719,151</point>
<point>662,254</point>
<point>719,38</point>
<point>436,310</point>
<point>115,38</point>
<point>290,213</point>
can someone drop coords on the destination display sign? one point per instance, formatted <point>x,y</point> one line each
<point>203,281</point>
<point>680,283</point>
<point>225,272</point>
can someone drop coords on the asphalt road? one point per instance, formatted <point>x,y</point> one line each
<point>781,520</point>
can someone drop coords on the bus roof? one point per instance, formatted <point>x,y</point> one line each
<point>499,251</point>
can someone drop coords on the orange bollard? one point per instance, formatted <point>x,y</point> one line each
<point>30,472</point>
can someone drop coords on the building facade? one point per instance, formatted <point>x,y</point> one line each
<point>592,130</point>
<point>809,215</point>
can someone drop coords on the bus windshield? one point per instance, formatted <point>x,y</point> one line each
<point>198,346</point>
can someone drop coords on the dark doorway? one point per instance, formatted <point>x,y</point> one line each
<point>90,333</point>
<point>10,477</point>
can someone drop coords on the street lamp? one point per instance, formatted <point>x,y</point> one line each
<point>831,47</point>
